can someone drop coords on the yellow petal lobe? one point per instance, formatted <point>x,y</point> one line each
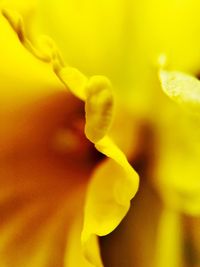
<point>74,80</point>
<point>113,185</point>
<point>98,107</point>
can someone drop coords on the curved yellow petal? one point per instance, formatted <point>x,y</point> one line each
<point>112,187</point>
<point>96,92</point>
<point>108,198</point>
<point>110,206</point>
<point>74,253</point>
<point>123,179</point>
<point>97,95</point>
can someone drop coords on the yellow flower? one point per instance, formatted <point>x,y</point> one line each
<point>52,183</point>
<point>125,40</point>
<point>149,49</point>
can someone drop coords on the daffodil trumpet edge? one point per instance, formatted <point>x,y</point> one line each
<point>114,183</point>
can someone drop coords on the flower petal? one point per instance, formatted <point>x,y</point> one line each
<point>97,95</point>
<point>74,255</point>
<point>112,187</point>
<point>104,209</point>
<point>124,182</point>
<point>74,80</point>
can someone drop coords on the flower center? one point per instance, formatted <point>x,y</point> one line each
<point>69,139</point>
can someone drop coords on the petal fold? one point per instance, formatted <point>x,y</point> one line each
<point>98,108</point>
